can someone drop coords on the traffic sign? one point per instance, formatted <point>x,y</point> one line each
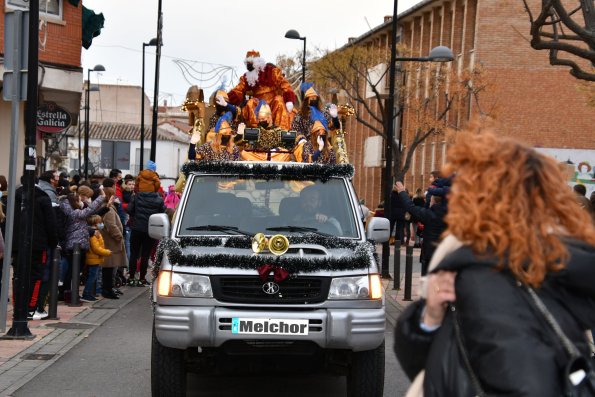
<point>16,44</point>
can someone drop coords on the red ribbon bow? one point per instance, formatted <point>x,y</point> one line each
<point>279,274</point>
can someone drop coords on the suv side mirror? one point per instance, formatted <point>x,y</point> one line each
<point>159,226</point>
<point>378,229</point>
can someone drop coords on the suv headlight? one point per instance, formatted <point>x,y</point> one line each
<point>360,287</point>
<point>184,285</point>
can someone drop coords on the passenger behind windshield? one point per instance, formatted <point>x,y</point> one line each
<point>256,205</point>
<point>313,214</point>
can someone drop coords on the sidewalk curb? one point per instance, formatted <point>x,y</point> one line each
<point>16,372</point>
<point>393,309</point>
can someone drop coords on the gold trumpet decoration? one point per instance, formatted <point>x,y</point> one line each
<point>259,242</point>
<point>338,138</point>
<point>339,141</point>
<point>340,147</point>
<point>277,244</point>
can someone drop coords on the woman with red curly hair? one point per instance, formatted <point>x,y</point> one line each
<point>515,239</point>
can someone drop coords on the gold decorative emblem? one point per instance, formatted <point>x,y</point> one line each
<point>277,244</point>
<point>259,242</point>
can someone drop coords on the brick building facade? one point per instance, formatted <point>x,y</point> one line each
<point>60,73</point>
<point>532,101</point>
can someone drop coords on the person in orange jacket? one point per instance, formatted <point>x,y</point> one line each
<point>94,258</point>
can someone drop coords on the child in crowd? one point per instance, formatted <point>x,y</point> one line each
<point>172,198</point>
<point>94,257</point>
<point>439,186</point>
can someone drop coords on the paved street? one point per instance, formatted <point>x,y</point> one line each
<point>115,360</point>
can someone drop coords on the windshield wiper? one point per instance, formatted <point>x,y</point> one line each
<point>219,228</point>
<point>298,229</point>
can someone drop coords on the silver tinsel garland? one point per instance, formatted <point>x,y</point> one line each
<point>362,256</point>
<point>281,171</point>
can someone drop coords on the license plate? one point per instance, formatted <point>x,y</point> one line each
<point>268,326</point>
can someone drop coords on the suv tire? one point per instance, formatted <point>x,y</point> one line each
<point>168,370</point>
<point>366,374</point>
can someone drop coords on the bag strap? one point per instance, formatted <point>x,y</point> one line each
<point>459,335</point>
<point>549,318</point>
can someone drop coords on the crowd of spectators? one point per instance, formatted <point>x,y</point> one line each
<point>104,220</point>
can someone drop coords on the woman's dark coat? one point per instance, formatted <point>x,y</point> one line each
<point>511,348</point>
<point>142,206</point>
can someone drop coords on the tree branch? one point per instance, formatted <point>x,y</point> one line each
<point>553,13</point>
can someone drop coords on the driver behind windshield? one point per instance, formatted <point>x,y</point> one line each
<point>313,215</point>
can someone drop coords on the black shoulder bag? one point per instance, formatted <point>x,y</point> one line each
<point>475,384</point>
<point>578,377</point>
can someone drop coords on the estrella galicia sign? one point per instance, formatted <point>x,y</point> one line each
<point>51,118</point>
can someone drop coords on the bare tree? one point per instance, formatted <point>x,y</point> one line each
<point>567,32</point>
<point>430,94</point>
<point>292,69</point>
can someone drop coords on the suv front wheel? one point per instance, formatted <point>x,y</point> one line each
<point>366,374</point>
<point>168,370</point>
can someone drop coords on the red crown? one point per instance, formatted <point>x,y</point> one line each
<point>253,54</point>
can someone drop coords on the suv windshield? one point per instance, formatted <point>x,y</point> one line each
<point>217,205</point>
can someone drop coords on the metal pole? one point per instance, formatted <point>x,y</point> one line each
<point>156,90</point>
<point>397,265</point>
<point>142,116</point>
<point>54,276</point>
<point>20,329</point>
<point>403,81</point>
<point>80,146</point>
<point>75,280</point>
<point>304,63</point>
<point>86,149</point>
<point>408,272</point>
<point>12,173</point>
<point>389,113</point>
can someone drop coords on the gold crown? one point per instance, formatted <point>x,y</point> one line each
<point>310,92</point>
<point>265,110</point>
<point>224,128</point>
<point>318,126</point>
<point>223,94</point>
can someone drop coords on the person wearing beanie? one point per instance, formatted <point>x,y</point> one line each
<point>148,179</point>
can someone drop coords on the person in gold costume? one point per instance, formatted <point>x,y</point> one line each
<point>311,110</point>
<point>263,81</point>
<point>317,149</point>
<point>219,100</point>
<point>222,147</point>
<point>268,147</point>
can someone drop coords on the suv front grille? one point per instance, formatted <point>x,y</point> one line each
<point>249,289</point>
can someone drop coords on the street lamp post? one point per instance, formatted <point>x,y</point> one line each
<point>156,88</point>
<point>437,54</point>
<point>80,131</point>
<point>293,34</point>
<point>151,43</point>
<point>96,68</point>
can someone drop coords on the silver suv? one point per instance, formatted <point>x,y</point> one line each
<point>263,260</point>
